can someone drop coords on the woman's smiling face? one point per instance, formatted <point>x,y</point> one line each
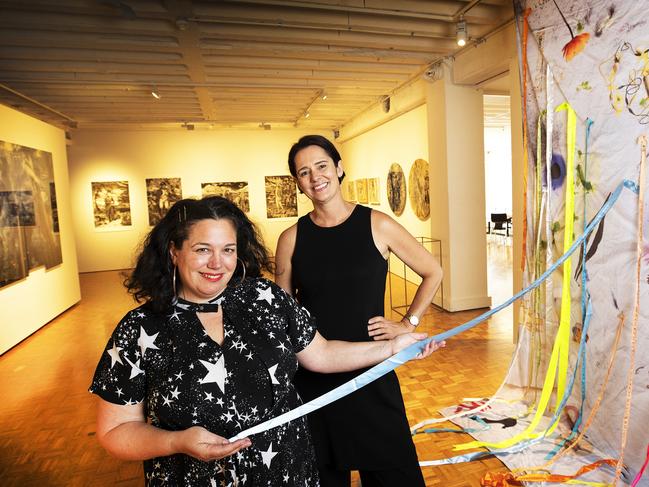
<point>206,260</point>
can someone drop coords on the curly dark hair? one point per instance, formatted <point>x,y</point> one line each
<point>322,142</point>
<point>151,280</point>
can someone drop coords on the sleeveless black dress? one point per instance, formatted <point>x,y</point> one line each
<point>339,276</point>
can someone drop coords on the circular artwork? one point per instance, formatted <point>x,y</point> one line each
<point>418,189</point>
<point>396,186</point>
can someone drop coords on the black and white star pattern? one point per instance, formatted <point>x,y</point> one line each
<point>187,379</point>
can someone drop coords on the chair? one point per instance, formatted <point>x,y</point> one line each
<point>501,223</point>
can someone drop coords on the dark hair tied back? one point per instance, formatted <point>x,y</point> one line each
<point>322,142</point>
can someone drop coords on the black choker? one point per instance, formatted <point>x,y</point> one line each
<point>197,307</point>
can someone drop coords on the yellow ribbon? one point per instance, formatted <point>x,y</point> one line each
<point>558,365</point>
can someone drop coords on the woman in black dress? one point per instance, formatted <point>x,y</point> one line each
<point>212,351</point>
<point>338,254</point>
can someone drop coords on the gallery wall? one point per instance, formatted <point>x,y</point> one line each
<point>56,288</point>
<point>402,140</point>
<point>199,156</point>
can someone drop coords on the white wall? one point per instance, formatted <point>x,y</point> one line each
<point>30,303</point>
<point>196,157</point>
<point>498,170</point>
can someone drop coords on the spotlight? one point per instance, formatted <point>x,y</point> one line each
<point>307,115</point>
<point>155,93</point>
<point>460,32</point>
<point>324,96</point>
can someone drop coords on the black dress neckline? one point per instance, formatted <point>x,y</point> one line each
<point>349,217</point>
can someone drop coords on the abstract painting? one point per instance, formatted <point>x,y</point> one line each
<point>111,205</point>
<point>29,233</point>
<point>161,194</point>
<point>351,191</point>
<point>281,197</point>
<point>373,191</point>
<point>237,192</point>
<point>361,190</point>
<point>418,189</point>
<point>396,188</point>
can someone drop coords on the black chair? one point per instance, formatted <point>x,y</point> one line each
<point>502,224</point>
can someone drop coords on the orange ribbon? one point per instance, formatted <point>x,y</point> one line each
<point>508,479</point>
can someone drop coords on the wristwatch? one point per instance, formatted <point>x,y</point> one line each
<point>412,319</point>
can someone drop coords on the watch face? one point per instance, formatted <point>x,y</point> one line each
<point>414,321</point>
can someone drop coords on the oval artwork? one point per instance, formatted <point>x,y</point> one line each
<point>418,189</point>
<point>396,186</point>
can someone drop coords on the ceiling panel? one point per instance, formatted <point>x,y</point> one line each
<point>95,63</point>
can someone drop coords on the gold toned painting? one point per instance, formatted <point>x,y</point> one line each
<point>111,205</point>
<point>373,191</point>
<point>361,190</point>
<point>418,189</point>
<point>281,197</point>
<point>351,188</point>
<point>396,189</point>
<point>161,194</point>
<point>237,192</point>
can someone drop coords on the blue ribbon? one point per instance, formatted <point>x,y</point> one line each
<point>415,349</point>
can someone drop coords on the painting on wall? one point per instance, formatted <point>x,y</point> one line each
<point>373,191</point>
<point>111,205</point>
<point>361,190</point>
<point>418,189</point>
<point>281,197</point>
<point>237,192</point>
<point>351,189</point>
<point>396,188</point>
<point>54,207</point>
<point>29,233</point>
<point>346,190</point>
<point>161,194</point>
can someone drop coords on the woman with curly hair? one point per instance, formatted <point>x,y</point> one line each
<point>212,351</point>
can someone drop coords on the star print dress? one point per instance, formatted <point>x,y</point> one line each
<point>185,379</point>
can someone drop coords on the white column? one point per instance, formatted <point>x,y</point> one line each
<point>457,186</point>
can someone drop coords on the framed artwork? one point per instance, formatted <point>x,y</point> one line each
<point>361,190</point>
<point>351,188</point>
<point>111,205</point>
<point>161,194</point>
<point>396,189</point>
<point>344,190</point>
<point>29,232</point>
<point>373,191</point>
<point>237,192</point>
<point>281,196</point>
<point>419,189</point>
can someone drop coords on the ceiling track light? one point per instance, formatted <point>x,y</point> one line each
<point>155,93</point>
<point>323,95</point>
<point>461,33</point>
<point>307,114</point>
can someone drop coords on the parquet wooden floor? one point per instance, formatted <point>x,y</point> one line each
<point>47,416</point>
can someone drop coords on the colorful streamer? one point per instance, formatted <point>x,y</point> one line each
<point>558,365</point>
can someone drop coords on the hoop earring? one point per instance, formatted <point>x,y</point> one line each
<point>244,271</point>
<point>173,285</point>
